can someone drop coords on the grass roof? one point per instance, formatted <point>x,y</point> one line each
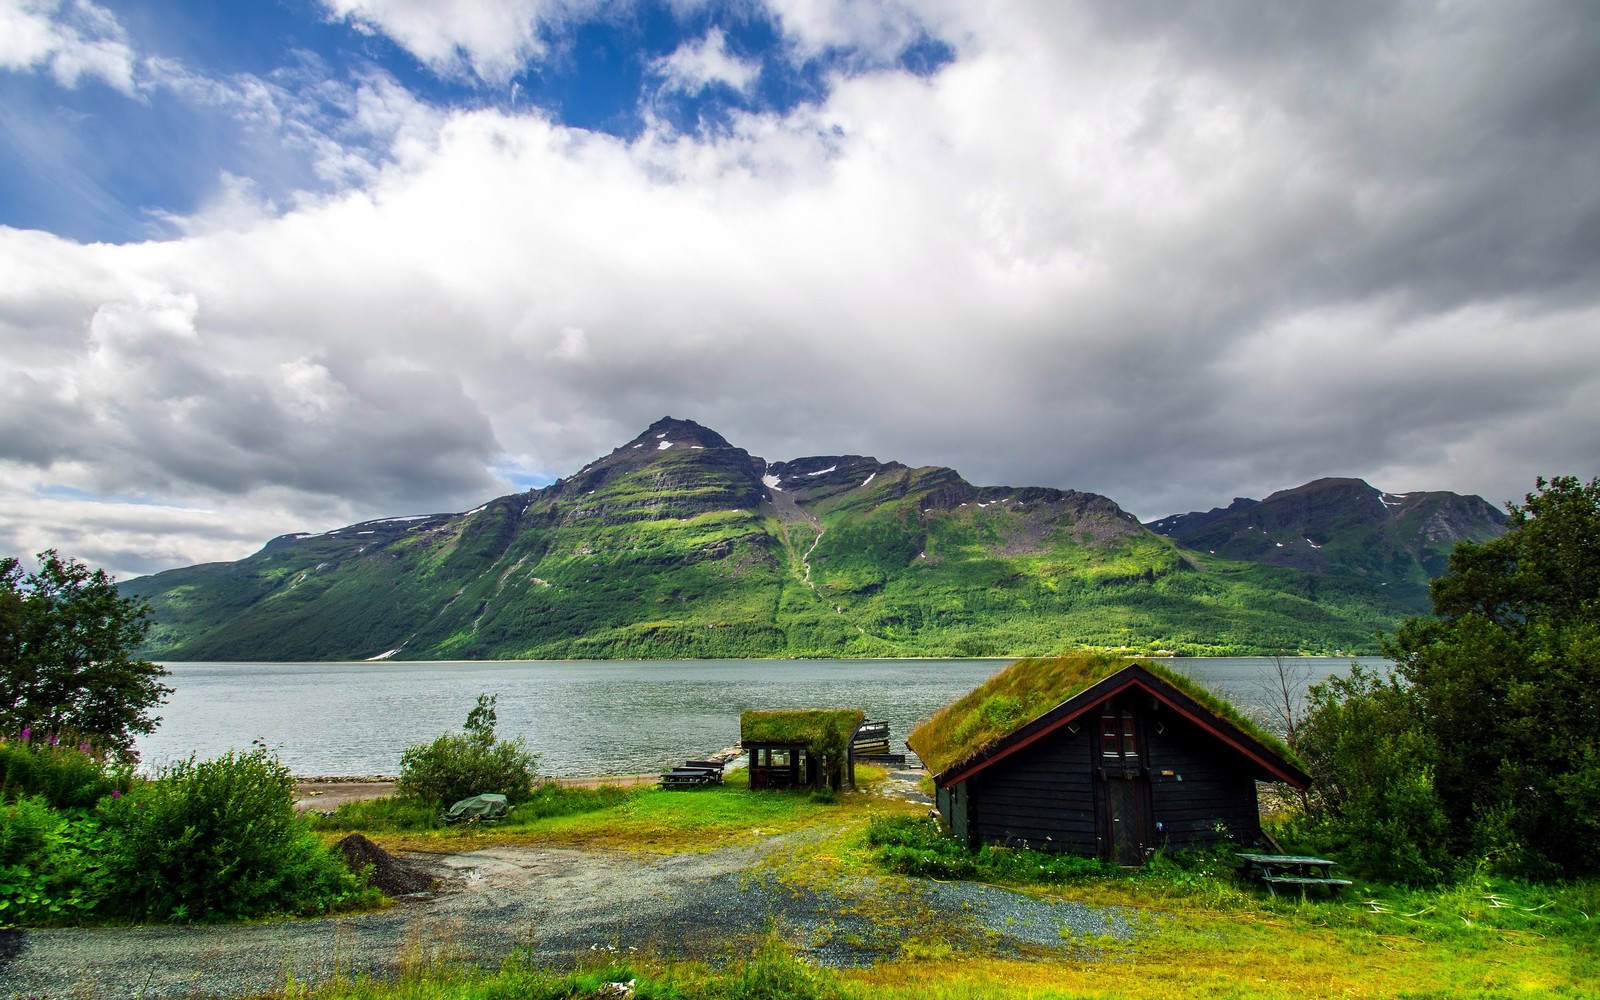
<point>1029,688</point>
<point>806,726</point>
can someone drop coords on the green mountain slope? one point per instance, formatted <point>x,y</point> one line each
<point>679,544</point>
<point>1345,527</point>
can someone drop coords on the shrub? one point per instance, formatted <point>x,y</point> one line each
<point>64,775</point>
<point>472,762</point>
<point>402,814</point>
<point>51,870</point>
<point>923,847</point>
<point>1374,803</point>
<point>219,840</point>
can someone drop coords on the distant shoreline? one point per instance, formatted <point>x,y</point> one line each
<point>328,792</point>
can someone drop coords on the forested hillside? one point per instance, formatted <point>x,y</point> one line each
<point>679,544</point>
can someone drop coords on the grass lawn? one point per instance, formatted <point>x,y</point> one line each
<point>1202,934</point>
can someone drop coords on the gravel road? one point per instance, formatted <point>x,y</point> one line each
<point>562,906</point>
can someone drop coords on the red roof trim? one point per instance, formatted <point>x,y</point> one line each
<point>1205,720</point>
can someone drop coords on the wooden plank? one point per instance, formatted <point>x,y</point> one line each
<point>1299,880</point>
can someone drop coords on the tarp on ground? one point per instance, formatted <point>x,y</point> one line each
<point>488,806</point>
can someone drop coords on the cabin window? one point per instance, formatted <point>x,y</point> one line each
<point>780,758</point>
<point>1118,737</point>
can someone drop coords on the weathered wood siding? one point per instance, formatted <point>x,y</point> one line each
<point>953,805</point>
<point>1042,798</point>
<point>1197,784</point>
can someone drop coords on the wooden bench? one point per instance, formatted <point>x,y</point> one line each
<point>693,774</point>
<point>1274,870</point>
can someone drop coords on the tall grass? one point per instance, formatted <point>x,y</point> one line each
<point>403,814</point>
<point>65,773</point>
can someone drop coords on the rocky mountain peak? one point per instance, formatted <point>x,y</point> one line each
<point>670,432</point>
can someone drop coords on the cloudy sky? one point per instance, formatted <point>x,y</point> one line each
<point>288,264</point>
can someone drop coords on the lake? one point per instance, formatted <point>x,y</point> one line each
<point>582,717</point>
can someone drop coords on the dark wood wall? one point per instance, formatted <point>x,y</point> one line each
<point>1051,796</point>
<point>1197,784</point>
<point>1041,798</point>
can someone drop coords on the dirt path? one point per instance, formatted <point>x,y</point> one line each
<point>560,906</point>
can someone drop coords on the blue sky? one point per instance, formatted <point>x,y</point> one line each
<point>98,162</point>
<point>284,265</point>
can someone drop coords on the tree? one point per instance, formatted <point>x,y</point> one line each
<point>471,762</point>
<point>1507,680</point>
<point>1372,796</point>
<point>66,661</point>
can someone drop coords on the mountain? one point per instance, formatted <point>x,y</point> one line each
<point>679,544</point>
<point>1344,527</point>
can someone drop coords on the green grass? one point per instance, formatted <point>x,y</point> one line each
<point>641,819</point>
<point>1028,688</point>
<point>1206,933</point>
<point>807,726</point>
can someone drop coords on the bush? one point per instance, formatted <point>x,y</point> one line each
<point>51,870</point>
<point>924,847</point>
<point>65,776</point>
<point>459,765</point>
<point>400,814</point>
<point>219,840</point>
<point>1373,801</point>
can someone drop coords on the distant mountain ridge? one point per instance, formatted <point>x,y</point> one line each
<point>680,544</point>
<point>1343,526</point>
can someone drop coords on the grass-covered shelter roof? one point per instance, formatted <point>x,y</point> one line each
<point>1036,695</point>
<point>799,727</point>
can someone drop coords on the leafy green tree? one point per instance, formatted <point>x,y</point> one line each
<point>1372,799</point>
<point>1486,745</point>
<point>459,765</point>
<point>66,661</point>
<point>1507,681</point>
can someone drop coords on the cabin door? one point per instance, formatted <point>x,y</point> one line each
<point>1125,810</point>
<point>1123,797</point>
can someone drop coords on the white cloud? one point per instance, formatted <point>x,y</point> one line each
<point>571,345</point>
<point>72,38</point>
<point>489,39</point>
<point>875,32</point>
<point>1092,252</point>
<point>694,66</point>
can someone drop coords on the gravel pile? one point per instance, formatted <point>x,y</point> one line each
<point>391,876</point>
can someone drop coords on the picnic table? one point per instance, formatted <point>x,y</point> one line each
<point>1274,870</point>
<point>693,774</point>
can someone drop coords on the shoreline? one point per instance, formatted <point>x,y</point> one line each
<point>329,792</point>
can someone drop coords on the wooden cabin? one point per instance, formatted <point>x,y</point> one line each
<point>798,748</point>
<point>1100,756</point>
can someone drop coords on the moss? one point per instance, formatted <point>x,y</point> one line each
<point>1029,688</point>
<point>807,726</point>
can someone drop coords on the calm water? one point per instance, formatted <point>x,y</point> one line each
<point>583,717</point>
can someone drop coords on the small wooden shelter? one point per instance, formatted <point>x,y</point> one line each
<point>806,747</point>
<point>1101,756</point>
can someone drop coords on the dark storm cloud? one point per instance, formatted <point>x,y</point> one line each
<point>1172,254</point>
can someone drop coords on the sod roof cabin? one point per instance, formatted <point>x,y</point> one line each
<point>1101,756</point>
<point>803,747</point>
